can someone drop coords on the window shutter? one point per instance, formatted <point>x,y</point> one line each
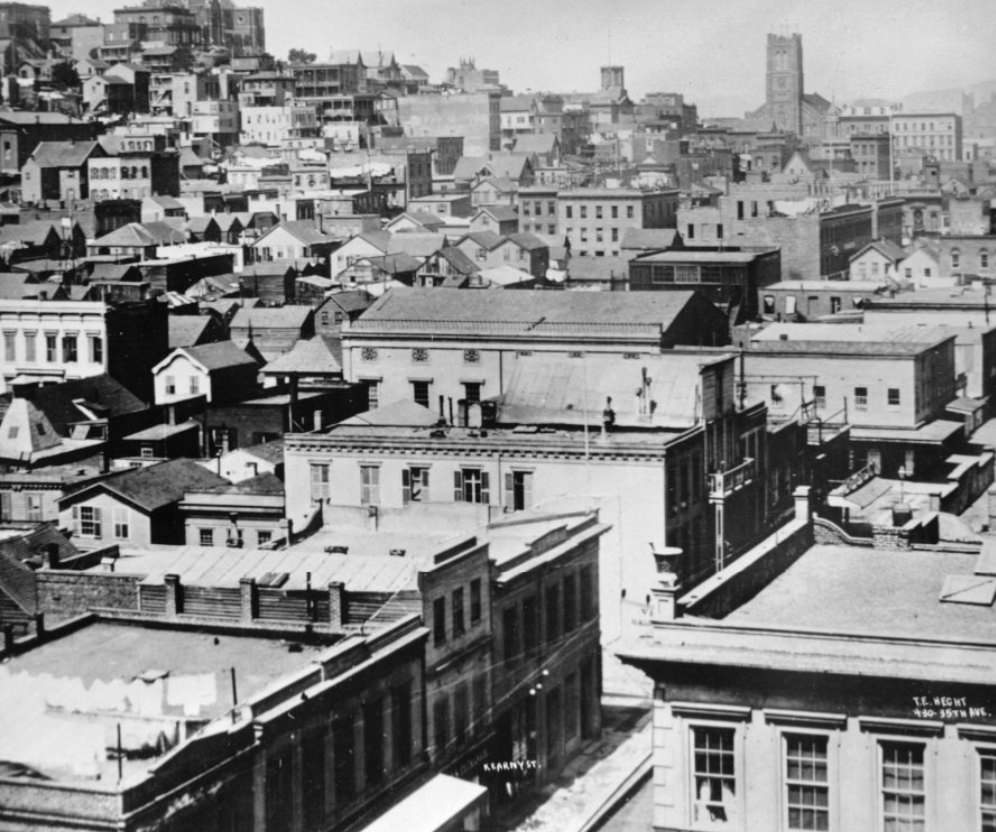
<point>458,486</point>
<point>485,487</point>
<point>96,523</point>
<point>425,485</point>
<point>527,491</point>
<point>406,486</point>
<point>76,519</point>
<point>509,491</point>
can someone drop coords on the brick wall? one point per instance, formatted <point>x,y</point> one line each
<point>65,594</point>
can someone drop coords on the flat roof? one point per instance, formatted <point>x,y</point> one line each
<point>432,807</point>
<point>933,432</point>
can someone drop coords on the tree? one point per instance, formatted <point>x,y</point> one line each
<point>301,56</point>
<point>65,77</point>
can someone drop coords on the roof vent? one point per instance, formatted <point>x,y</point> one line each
<point>397,553</point>
<point>337,550</point>
<point>784,336</point>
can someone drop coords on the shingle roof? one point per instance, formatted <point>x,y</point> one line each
<point>102,393</point>
<point>888,249</point>
<point>510,165</point>
<point>535,143</point>
<point>115,271</point>
<point>218,355</point>
<point>303,230</point>
<point>417,245</point>
<point>34,233</point>
<point>143,235</point>
<point>646,239</point>
<point>353,300</point>
<point>63,154</point>
<point>263,484</point>
<point>527,240</point>
<point>458,260</point>
<point>268,451</point>
<point>156,486</point>
<point>502,213</point>
<point>486,239</point>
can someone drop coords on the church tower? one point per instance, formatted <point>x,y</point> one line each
<point>784,82</point>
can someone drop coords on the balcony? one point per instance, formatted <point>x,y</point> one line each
<point>724,483</point>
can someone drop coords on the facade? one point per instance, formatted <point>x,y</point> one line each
<point>276,124</point>
<point>834,719</point>
<point>221,372</point>
<point>730,279</point>
<point>932,134</point>
<point>811,300</point>
<point>248,514</point>
<point>53,340</point>
<point>474,116</point>
<point>593,220</point>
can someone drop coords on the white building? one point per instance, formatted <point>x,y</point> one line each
<point>51,341</point>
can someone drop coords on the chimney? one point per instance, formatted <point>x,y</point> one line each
<point>52,555</point>
<point>665,591</point>
<point>248,599</point>
<point>803,506</point>
<point>608,416</point>
<point>174,596</point>
<point>901,514</point>
<point>337,603</point>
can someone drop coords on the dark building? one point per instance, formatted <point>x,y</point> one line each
<point>20,133</point>
<point>729,277</point>
<point>137,340</point>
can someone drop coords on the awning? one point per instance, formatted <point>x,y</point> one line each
<point>437,806</point>
<point>933,433</point>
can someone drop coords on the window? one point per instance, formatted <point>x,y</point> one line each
<point>373,740</point>
<point>903,787</point>
<point>629,212</point>
<point>441,722</point>
<point>861,398</point>
<point>51,346</point>
<point>719,231</point>
<point>568,212</point>
<point>321,486</point>
<point>343,740</point>
<point>553,612</point>
<point>691,231</point>
<point>263,536</point>
<point>195,386</point>
<point>69,348</point>
<point>584,212</point>
<point>987,783</point>
<point>714,774</point>
<point>510,632</point>
<point>86,521</point>
<point>121,531</point>
<point>34,502</point>
<point>820,395</point>
<point>587,593</point>
<point>456,610</point>
<point>402,703</point>
<point>475,600</point>
<point>955,258</point>
<point>807,797</point>
<point>96,349</point>
<point>30,347</point>
<point>518,490</point>
<point>9,345</point>
<point>206,537</point>
<point>439,621</point>
<point>369,485</point>
<point>983,259</point>
<point>414,485</point>
<point>420,392</point>
<point>570,602</point>
<point>472,391</point>
<point>170,385</point>
<point>373,393</point>
<point>893,396</point>
<point>471,485</point>
<point>530,623</point>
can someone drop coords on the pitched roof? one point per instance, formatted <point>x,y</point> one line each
<point>303,230</point>
<point>351,300</point>
<point>267,451</point>
<point>142,235</point>
<point>423,218</point>
<point>509,165</point>
<point>307,356</point>
<point>404,412</point>
<point>539,313</point>
<point>516,103</point>
<point>101,395</point>
<point>345,56</point>
<point>502,213</point>
<point>378,239</point>
<point>888,249</point>
<point>187,330</point>
<point>646,239</point>
<point>392,264</point>
<point>458,260</point>
<point>18,285</point>
<point>63,154</point>
<point>535,143</point>
<point>218,355</point>
<point>33,233</point>
<point>115,271</point>
<point>417,245</point>
<point>527,240</point>
<point>486,239</point>
<point>269,317</point>
<point>156,486</point>
<point>265,484</point>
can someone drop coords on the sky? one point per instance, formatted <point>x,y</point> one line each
<point>713,52</point>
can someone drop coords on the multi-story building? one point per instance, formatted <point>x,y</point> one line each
<point>274,125</point>
<point>266,89</point>
<point>474,116</point>
<point>634,437</point>
<point>870,153</point>
<point>172,25</point>
<point>217,120</point>
<point>77,35</point>
<point>847,691</point>
<point>24,31</point>
<point>316,83</point>
<point>593,220</point>
<point>890,383</point>
<point>729,278</point>
<point>931,134</point>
